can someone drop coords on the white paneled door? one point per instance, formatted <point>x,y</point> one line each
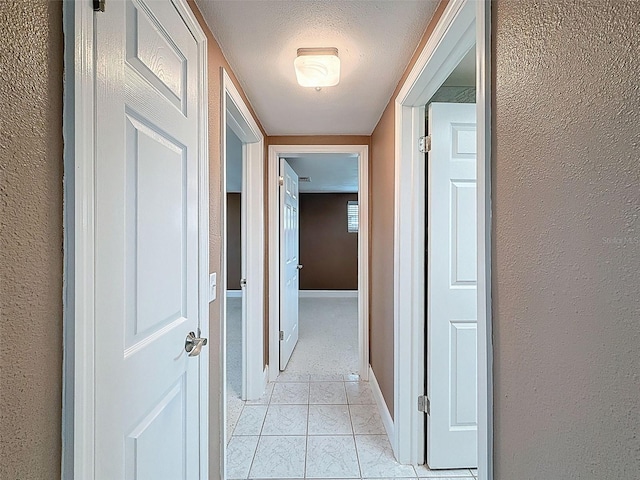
<point>147,425</point>
<point>289,267</point>
<point>452,425</point>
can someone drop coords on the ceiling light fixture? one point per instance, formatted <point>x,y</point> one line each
<point>317,67</point>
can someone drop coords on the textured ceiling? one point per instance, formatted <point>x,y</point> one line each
<point>375,39</point>
<point>327,172</point>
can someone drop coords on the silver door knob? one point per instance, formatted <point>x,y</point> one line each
<point>299,267</point>
<point>193,345</point>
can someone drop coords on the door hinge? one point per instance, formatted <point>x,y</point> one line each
<point>424,405</point>
<point>281,335</point>
<point>98,5</point>
<point>424,144</point>
<point>281,181</point>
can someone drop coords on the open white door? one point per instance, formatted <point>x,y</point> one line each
<point>147,423</point>
<point>452,425</point>
<point>289,268</point>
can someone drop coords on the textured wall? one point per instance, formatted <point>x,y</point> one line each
<point>328,251</point>
<point>381,179</point>
<point>566,252</point>
<point>381,201</point>
<point>215,60</point>
<point>31,169</point>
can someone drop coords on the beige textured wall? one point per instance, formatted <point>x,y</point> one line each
<point>566,252</point>
<point>216,60</point>
<point>382,178</point>
<point>31,170</point>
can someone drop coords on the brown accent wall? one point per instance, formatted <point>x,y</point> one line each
<point>381,182</point>
<point>31,169</point>
<point>566,239</point>
<point>234,252</point>
<point>328,252</point>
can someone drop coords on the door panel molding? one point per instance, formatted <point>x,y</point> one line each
<point>78,458</point>
<point>275,151</point>
<point>463,24</point>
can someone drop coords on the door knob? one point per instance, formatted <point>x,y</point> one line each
<point>299,267</point>
<point>193,345</point>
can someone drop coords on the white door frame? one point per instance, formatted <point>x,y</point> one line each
<point>275,151</point>
<point>79,226</point>
<point>235,114</point>
<point>463,24</point>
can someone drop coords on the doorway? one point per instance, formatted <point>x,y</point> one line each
<point>137,322</point>
<point>451,271</point>
<point>462,25</point>
<point>243,369</point>
<point>276,153</point>
<point>327,265</point>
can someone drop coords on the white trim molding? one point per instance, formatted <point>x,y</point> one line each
<point>385,415</point>
<point>463,24</point>
<point>79,317</point>
<point>275,152</point>
<point>485,325</point>
<point>235,114</point>
<point>328,294</point>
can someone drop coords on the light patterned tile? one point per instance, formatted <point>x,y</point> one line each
<point>366,420</point>
<point>329,420</point>
<point>286,420</point>
<point>292,377</point>
<point>279,457</point>
<point>474,472</point>
<point>377,460</point>
<point>425,472</point>
<point>327,377</point>
<point>359,393</point>
<point>265,398</point>
<point>240,453</point>
<point>332,457</point>
<point>328,393</point>
<point>451,478</point>
<point>352,377</point>
<point>234,409</point>
<point>291,393</point>
<point>251,420</point>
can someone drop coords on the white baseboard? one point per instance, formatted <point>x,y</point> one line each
<point>234,293</point>
<point>328,293</point>
<point>387,421</point>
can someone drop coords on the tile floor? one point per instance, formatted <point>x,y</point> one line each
<point>317,426</point>
<point>314,421</point>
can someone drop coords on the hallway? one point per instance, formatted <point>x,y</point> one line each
<point>318,420</point>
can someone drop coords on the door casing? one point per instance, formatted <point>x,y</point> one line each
<point>275,151</point>
<point>463,24</point>
<point>78,456</point>
<point>235,114</point>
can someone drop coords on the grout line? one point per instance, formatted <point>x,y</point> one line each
<point>306,444</point>
<point>355,445</point>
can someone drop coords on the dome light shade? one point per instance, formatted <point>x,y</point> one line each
<point>317,67</point>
